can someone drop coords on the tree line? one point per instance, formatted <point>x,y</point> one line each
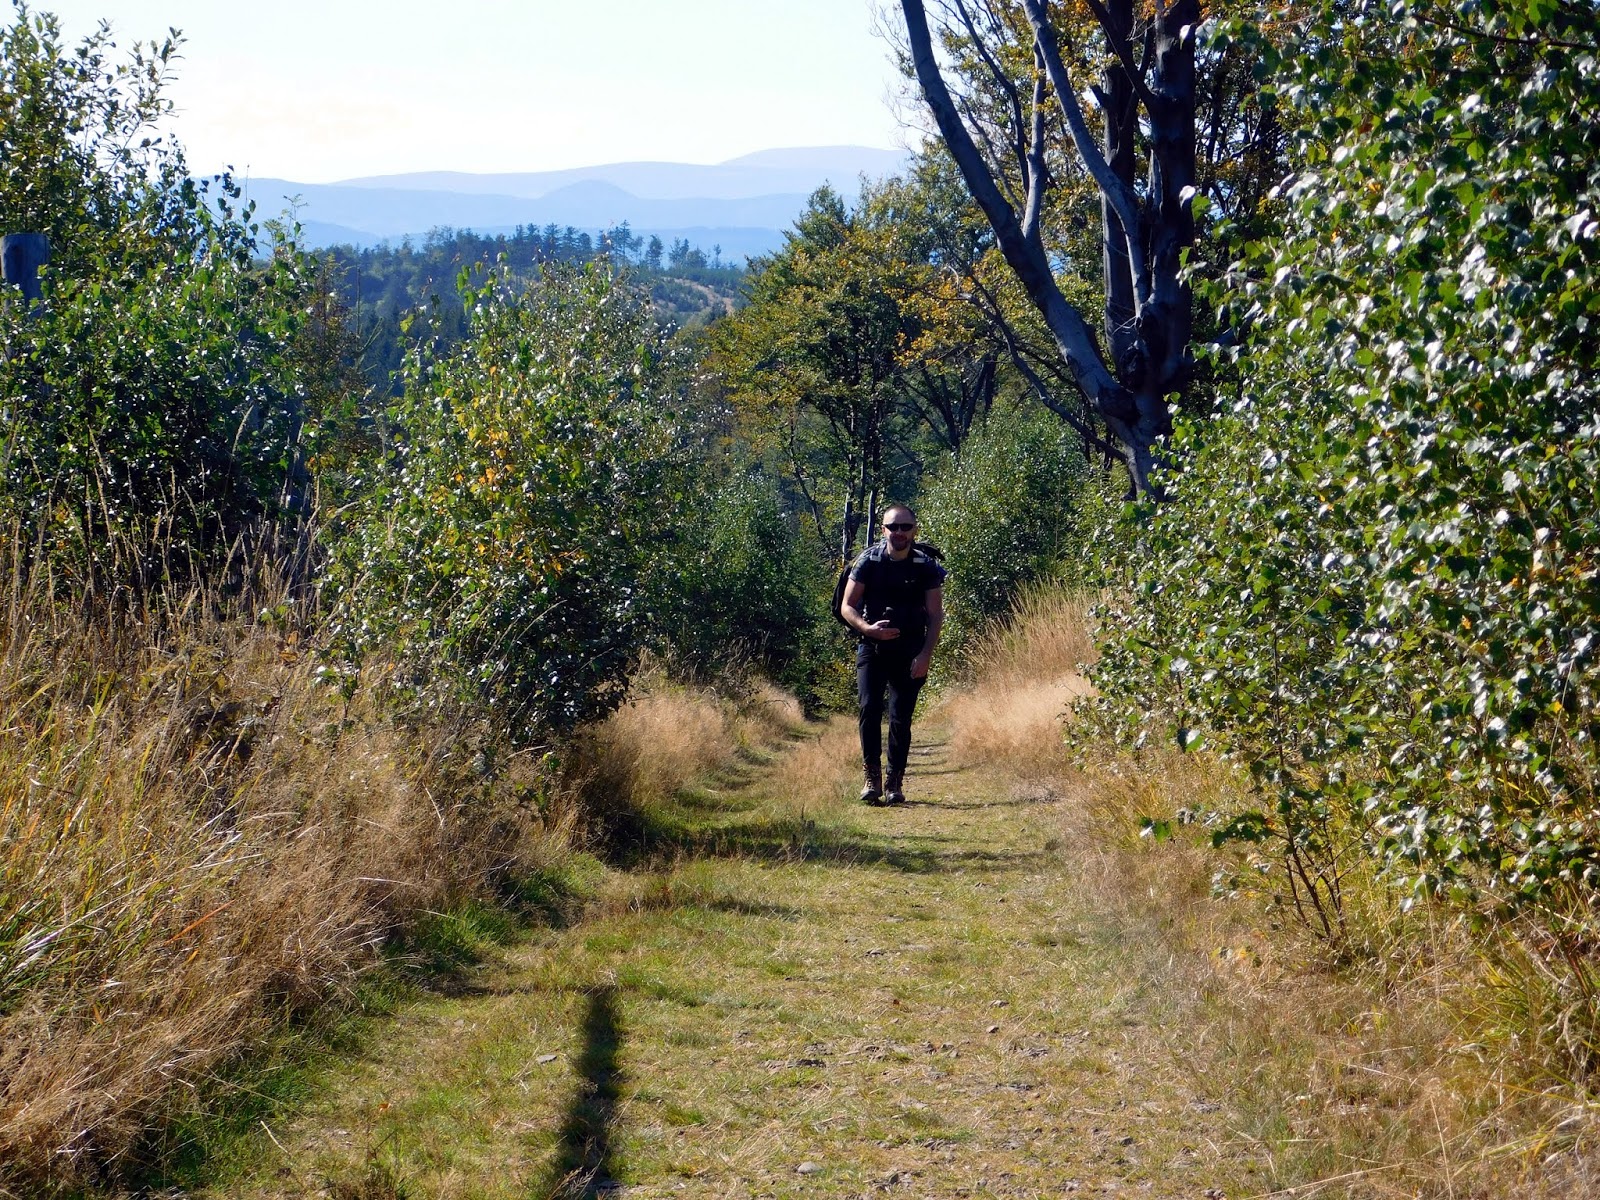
<point>401,294</point>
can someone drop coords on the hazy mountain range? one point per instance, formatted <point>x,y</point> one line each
<point>742,205</point>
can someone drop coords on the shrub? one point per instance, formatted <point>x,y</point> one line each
<point>1374,584</point>
<point>158,388</point>
<point>201,846</point>
<point>156,401</point>
<point>744,590</point>
<point>500,552</point>
<point>1005,512</point>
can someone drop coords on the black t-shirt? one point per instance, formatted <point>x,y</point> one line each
<point>898,592</point>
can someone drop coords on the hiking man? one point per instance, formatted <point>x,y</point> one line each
<point>894,600</point>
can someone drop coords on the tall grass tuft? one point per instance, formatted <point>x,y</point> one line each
<point>1026,673</point>
<point>199,841</point>
<point>664,738</point>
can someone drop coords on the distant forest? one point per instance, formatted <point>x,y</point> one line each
<point>400,295</point>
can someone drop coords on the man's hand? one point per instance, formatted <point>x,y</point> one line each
<point>882,631</point>
<point>920,665</point>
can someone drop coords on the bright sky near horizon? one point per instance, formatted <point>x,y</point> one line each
<point>320,90</point>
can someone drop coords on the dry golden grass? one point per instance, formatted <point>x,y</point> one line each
<point>199,839</point>
<point>1027,674</point>
<point>906,1000</point>
<point>821,774</point>
<point>202,840</point>
<point>1373,1072</point>
<point>665,737</point>
<point>1048,636</point>
<point>673,742</point>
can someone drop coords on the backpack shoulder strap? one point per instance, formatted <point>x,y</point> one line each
<point>863,559</point>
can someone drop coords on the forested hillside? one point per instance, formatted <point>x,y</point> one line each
<point>399,296</point>
<point>336,582</point>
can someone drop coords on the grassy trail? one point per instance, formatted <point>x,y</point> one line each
<point>914,1001</point>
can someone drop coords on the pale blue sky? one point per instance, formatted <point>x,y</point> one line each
<point>318,91</point>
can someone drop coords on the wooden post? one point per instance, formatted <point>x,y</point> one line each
<point>22,254</point>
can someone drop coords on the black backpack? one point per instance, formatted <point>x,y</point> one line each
<point>843,581</point>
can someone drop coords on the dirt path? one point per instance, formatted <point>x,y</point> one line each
<point>907,1001</point>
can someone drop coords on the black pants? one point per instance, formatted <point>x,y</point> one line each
<point>877,672</point>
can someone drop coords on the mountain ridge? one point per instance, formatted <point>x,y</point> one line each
<point>743,204</point>
<point>765,172</point>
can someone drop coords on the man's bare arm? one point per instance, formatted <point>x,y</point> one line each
<point>935,603</point>
<point>850,609</point>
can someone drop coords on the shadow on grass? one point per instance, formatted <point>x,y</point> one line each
<point>1004,802</point>
<point>756,756</point>
<point>668,899</point>
<point>663,836</point>
<point>584,1166</point>
<point>925,771</point>
<point>706,800</point>
<point>754,908</point>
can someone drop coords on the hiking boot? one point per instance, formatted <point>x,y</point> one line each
<point>872,786</point>
<point>891,791</point>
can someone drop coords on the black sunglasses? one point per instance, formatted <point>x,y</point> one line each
<point>899,526</point>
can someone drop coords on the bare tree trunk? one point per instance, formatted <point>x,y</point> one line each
<point>813,503</point>
<point>1147,317</point>
<point>1119,120</point>
<point>875,454</point>
<point>847,528</point>
<point>1166,315</point>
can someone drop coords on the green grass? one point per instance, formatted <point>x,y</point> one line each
<point>219,1133</point>
<point>219,1136</point>
<point>856,990</point>
<point>855,1001</point>
<point>442,945</point>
